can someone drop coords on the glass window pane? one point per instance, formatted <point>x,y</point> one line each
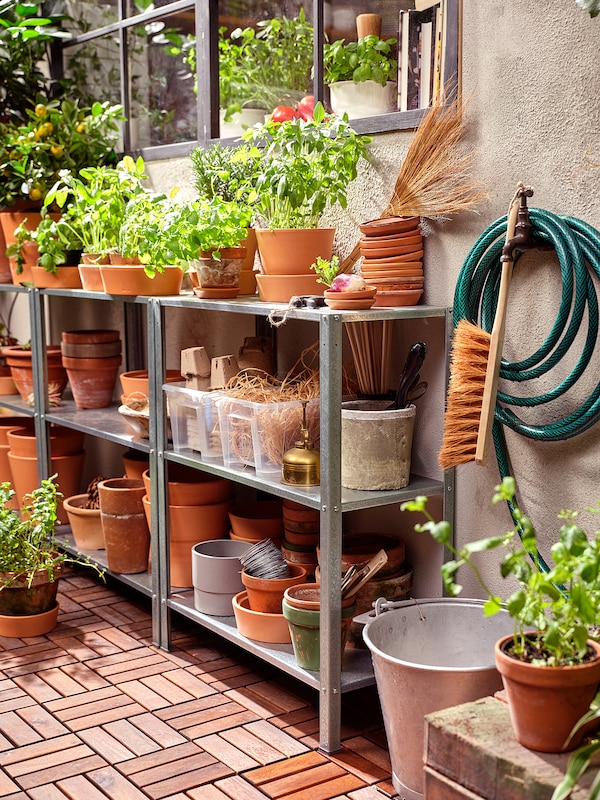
<point>134,7</point>
<point>93,70</point>
<point>265,59</point>
<point>91,14</point>
<point>162,81</point>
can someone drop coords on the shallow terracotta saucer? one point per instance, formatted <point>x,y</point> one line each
<point>386,225</point>
<point>399,297</point>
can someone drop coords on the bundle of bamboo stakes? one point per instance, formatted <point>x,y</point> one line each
<point>371,345</point>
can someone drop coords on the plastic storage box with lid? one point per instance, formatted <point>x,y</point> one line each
<point>194,420</point>
<point>258,434</point>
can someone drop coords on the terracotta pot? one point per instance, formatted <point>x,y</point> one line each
<point>410,256</point>
<point>137,380</point>
<point>262,519</point>
<point>358,548</point>
<point>69,469</point>
<point>308,596</point>
<point>63,278</point>
<point>398,297</point>
<point>254,539</point>
<point>24,598</point>
<point>86,525</point>
<point>250,245</point>
<point>63,441</point>
<point>5,273</point>
<point>19,361</point>
<point>126,531</point>
<point>266,594</point>
<point>91,350</point>
<point>370,246</point>
<point>546,702</point>
<point>389,225</point>
<point>91,279</point>
<point>134,464</point>
<point>117,260</point>
<point>260,626</point>
<point>247,282</point>
<point>6,424</point>
<point>191,487</point>
<point>7,384</point>
<point>92,380</point>
<point>304,556</point>
<point>216,575</point>
<point>281,288</point>
<point>291,251</point>
<point>9,221</point>
<point>132,281</point>
<point>27,626</point>
<point>339,302</point>
<point>91,336</point>
<point>303,538</point>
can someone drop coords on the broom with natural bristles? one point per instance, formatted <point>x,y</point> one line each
<point>433,180</point>
<point>474,373</point>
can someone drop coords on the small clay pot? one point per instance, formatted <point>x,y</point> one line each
<point>260,626</point>
<point>137,380</point>
<point>266,594</point>
<point>258,520</point>
<point>135,463</point>
<point>86,525</point>
<point>126,532</point>
<point>92,380</point>
<point>190,487</point>
<point>63,441</point>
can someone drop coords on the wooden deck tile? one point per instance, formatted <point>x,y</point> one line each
<point>158,730</point>
<point>61,681</point>
<point>219,724</point>
<point>7,786</point>
<point>89,679</point>
<point>167,689</point>
<point>373,752</point>
<point>120,639</point>
<point>235,788</point>
<point>68,707</point>
<point>56,772</point>
<point>105,745</point>
<point>189,683</point>
<point>304,781</point>
<point>143,695</point>
<point>40,748</point>
<point>256,748</point>
<point>159,758</point>
<point>17,730</point>
<point>17,699</point>
<point>290,766</point>
<point>225,752</point>
<point>42,722</point>
<point>98,644</point>
<point>181,710</point>
<point>114,785</point>
<point>359,765</point>
<point>279,739</point>
<point>209,792</point>
<point>72,645</point>
<point>132,737</point>
<point>80,788</point>
<point>191,780</point>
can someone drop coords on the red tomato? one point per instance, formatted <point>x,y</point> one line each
<point>306,107</point>
<point>283,113</point>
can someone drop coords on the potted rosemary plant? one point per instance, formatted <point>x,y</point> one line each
<point>550,665</point>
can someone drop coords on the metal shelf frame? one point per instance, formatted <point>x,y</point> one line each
<point>331,681</point>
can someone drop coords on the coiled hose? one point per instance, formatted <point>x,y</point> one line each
<point>577,246</point>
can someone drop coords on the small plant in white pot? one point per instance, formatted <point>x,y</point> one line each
<point>556,610</point>
<point>361,76</point>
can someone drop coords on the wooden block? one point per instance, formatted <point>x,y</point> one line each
<point>223,368</point>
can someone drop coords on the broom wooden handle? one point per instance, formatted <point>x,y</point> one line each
<point>492,375</point>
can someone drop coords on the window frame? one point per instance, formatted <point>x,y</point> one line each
<point>206,22</point>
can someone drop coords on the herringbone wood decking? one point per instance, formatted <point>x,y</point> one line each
<point>93,711</point>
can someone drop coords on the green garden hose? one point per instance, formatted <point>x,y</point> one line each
<point>577,246</point>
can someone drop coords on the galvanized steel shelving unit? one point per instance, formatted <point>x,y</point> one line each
<point>329,498</point>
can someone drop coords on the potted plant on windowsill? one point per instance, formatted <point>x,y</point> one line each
<point>556,612</point>
<point>361,76</point>
<point>30,561</point>
<point>305,166</point>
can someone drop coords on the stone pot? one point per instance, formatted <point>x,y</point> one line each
<point>86,525</point>
<point>216,575</point>
<point>126,531</point>
<point>223,273</point>
<point>365,99</point>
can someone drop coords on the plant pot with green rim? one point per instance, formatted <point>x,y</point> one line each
<point>555,616</point>
<point>304,166</point>
<point>305,633</point>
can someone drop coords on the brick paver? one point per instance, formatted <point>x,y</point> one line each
<point>94,710</point>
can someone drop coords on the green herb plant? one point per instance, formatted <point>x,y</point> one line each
<point>368,59</point>
<point>219,171</point>
<point>303,166</point>
<point>28,540</point>
<point>326,269</point>
<point>555,611</point>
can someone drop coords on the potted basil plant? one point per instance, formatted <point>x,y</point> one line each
<point>550,665</point>
<point>305,166</point>
<point>362,76</point>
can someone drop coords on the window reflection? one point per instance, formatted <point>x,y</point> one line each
<point>93,70</point>
<point>162,93</point>
<point>265,60</point>
<point>89,15</point>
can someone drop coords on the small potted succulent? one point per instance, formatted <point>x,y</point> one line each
<point>361,75</point>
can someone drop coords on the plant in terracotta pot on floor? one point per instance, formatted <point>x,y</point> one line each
<point>305,166</point>
<point>30,561</point>
<point>553,653</point>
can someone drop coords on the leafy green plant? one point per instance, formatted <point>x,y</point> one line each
<point>220,172</point>
<point>28,540</point>
<point>57,136</point>
<point>55,240</point>
<point>368,59</point>
<point>581,758</point>
<point>25,35</point>
<point>561,605</point>
<point>303,165</point>
<point>210,226</point>
<point>142,234</point>
<point>326,269</point>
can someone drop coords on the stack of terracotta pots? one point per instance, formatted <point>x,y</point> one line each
<point>301,532</point>
<point>199,506</point>
<point>392,259</point>
<point>254,521</point>
<point>67,459</point>
<point>92,359</point>
<point>6,424</point>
